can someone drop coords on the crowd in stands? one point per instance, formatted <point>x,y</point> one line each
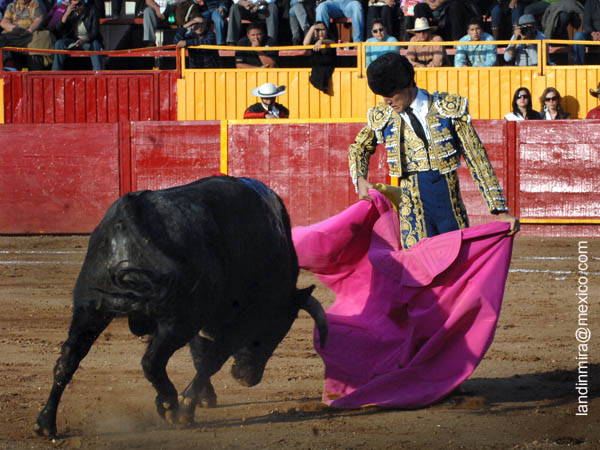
<point>74,25</point>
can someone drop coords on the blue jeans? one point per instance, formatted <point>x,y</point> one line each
<point>62,44</point>
<point>343,8</point>
<point>497,13</point>
<point>218,20</point>
<point>579,50</point>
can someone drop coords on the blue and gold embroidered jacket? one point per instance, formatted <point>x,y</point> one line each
<point>452,134</point>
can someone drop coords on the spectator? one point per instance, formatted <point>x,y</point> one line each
<point>255,37</point>
<point>594,113</point>
<point>302,14</point>
<point>522,108</point>
<point>388,12</point>
<point>3,5</point>
<point>559,15</point>
<point>550,102</point>
<point>408,19</point>
<point>450,16</point>
<point>379,35</point>
<point>499,13</point>
<point>21,25</point>
<point>252,10</point>
<point>537,8</point>
<point>591,29</point>
<point>54,16</point>
<point>425,55</point>
<point>475,55</point>
<point>524,54</point>
<point>156,11</point>
<point>197,32</point>
<point>80,30</point>
<point>267,108</point>
<point>215,13</point>
<point>343,8</point>
<point>322,59</point>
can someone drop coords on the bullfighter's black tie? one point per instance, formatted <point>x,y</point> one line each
<point>417,127</point>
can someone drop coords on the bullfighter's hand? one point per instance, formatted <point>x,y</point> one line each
<point>515,226</point>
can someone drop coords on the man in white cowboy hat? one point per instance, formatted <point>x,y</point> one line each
<point>267,108</point>
<point>594,113</point>
<point>425,55</point>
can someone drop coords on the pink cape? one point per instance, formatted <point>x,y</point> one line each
<point>407,327</point>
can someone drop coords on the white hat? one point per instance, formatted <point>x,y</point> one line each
<point>422,24</point>
<point>268,90</point>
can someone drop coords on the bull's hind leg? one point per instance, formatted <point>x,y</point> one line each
<point>208,357</point>
<point>85,328</point>
<point>162,345</point>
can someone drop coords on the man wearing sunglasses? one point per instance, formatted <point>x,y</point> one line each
<point>424,135</point>
<point>80,30</point>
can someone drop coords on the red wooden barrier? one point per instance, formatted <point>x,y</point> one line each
<point>61,178</point>
<point>57,178</point>
<point>300,159</point>
<point>558,174</point>
<point>493,133</point>
<point>67,97</point>
<point>165,154</point>
<point>306,164</point>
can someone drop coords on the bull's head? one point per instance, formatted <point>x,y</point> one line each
<point>250,361</point>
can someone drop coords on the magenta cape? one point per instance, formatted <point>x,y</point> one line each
<point>407,327</point>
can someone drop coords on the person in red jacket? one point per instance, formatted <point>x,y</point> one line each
<point>594,113</point>
<point>267,108</point>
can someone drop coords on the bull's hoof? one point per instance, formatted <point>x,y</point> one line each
<point>44,430</point>
<point>207,397</point>
<point>167,410</point>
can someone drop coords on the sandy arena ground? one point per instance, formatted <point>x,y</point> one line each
<point>522,396</point>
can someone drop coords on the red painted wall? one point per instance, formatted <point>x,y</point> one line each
<point>165,154</point>
<point>306,164</point>
<point>47,97</point>
<point>57,178</point>
<point>558,173</point>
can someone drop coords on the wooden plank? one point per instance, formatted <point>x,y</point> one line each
<point>168,153</point>
<point>46,188</point>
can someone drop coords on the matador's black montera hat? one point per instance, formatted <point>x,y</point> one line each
<point>389,72</point>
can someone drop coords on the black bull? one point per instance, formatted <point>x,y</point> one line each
<point>211,264</point>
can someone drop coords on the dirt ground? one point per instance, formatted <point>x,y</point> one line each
<point>522,396</point>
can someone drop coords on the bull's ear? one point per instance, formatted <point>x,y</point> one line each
<point>314,308</point>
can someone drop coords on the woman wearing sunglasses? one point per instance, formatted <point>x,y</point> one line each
<point>379,34</point>
<point>551,109</point>
<point>522,108</point>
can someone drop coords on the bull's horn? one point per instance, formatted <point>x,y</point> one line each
<point>314,308</point>
<point>206,335</point>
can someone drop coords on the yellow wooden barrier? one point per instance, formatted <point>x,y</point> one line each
<point>209,94</point>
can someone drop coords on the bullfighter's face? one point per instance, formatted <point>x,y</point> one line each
<point>401,98</point>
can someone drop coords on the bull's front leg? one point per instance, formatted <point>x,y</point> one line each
<point>165,341</point>
<point>85,328</point>
<point>208,357</point>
